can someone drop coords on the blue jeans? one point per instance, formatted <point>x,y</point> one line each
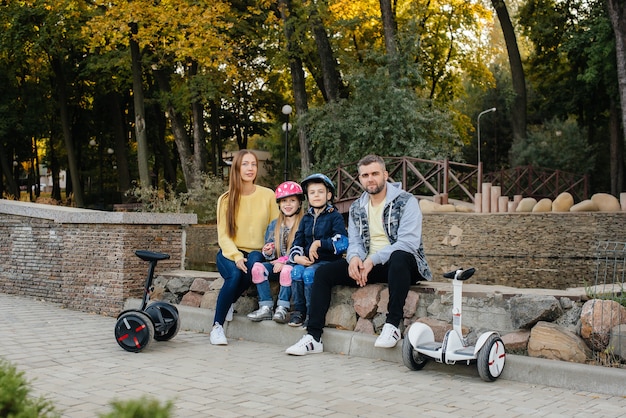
<point>265,294</point>
<point>301,285</point>
<point>235,282</point>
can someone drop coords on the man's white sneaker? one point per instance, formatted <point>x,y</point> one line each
<point>306,345</point>
<point>388,337</point>
<point>217,336</point>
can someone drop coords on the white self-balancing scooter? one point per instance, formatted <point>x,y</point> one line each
<point>419,343</point>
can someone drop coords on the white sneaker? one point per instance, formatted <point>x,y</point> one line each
<point>217,336</point>
<point>229,314</point>
<point>306,345</point>
<point>388,337</point>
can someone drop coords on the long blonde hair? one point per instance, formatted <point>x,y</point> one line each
<point>292,232</point>
<point>235,186</point>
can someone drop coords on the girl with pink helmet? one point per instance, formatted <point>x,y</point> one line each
<point>278,239</point>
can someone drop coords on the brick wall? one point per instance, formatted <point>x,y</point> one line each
<point>84,260</point>
<point>526,250</point>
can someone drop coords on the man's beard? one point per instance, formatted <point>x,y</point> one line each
<point>379,188</point>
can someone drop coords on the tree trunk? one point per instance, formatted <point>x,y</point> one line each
<point>298,85</point>
<point>333,84</point>
<point>617,13</point>
<point>617,151</point>
<point>183,143</point>
<point>390,28</point>
<point>7,170</point>
<point>200,156</point>
<point>140,112</point>
<point>216,142</point>
<point>518,109</point>
<point>120,134</point>
<point>77,188</point>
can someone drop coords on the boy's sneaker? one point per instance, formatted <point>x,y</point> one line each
<point>305,324</point>
<point>388,337</point>
<point>217,336</point>
<point>261,314</point>
<point>280,315</point>
<point>296,319</point>
<point>306,345</point>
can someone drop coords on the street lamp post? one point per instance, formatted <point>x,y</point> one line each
<point>286,127</point>
<point>493,109</point>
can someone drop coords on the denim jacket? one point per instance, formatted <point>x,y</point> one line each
<point>402,222</point>
<point>328,227</point>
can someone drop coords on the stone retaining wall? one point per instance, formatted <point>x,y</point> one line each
<point>525,250</point>
<point>83,259</point>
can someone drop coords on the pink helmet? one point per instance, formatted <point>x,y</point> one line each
<point>287,189</point>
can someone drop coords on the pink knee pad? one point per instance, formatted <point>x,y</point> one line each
<point>285,276</point>
<point>259,273</point>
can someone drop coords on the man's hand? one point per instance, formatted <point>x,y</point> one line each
<point>356,270</point>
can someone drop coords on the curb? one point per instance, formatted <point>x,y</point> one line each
<point>532,370</point>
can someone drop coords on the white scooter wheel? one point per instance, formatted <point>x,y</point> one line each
<point>491,359</point>
<point>412,359</point>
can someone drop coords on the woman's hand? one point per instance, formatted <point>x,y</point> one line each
<point>241,264</point>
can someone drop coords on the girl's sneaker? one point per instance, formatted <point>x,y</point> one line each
<point>296,319</point>
<point>280,315</point>
<point>261,314</point>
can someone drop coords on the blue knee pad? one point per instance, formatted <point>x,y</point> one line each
<point>297,272</point>
<point>308,276</point>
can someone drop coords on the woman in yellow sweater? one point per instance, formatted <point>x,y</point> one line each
<point>243,213</point>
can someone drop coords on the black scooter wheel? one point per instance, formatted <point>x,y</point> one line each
<point>134,331</point>
<point>166,320</point>
<point>411,358</point>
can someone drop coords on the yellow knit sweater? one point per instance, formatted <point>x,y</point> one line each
<point>255,213</point>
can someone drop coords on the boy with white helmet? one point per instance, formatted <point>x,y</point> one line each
<point>321,238</point>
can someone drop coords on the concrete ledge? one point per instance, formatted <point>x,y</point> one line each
<point>68,215</point>
<point>573,376</point>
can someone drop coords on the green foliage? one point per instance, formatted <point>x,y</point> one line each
<point>560,145</point>
<point>383,118</point>
<point>15,400</point>
<point>201,198</point>
<point>139,408</point>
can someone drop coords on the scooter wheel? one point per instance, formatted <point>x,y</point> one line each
<point>134,331</point>
<point>411,358</point>
<point>164,316</point>
<point>491,359</point>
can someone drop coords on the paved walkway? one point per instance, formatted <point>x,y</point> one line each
<point>72,359</point>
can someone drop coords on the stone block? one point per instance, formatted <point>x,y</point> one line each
<point>584,206</point>
<point>192,299</point>
<point>597,318</point>
<point>341,316</point>
<point>563,202</point>
<point>526,204</point>
<point>517,340</point>
<point>200,286</point>
<point>606,202</point>
<point>548,340</point>
<point>544,205</point>
<point>365,300</point>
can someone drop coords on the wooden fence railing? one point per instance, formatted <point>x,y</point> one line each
<point>419,177</point>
